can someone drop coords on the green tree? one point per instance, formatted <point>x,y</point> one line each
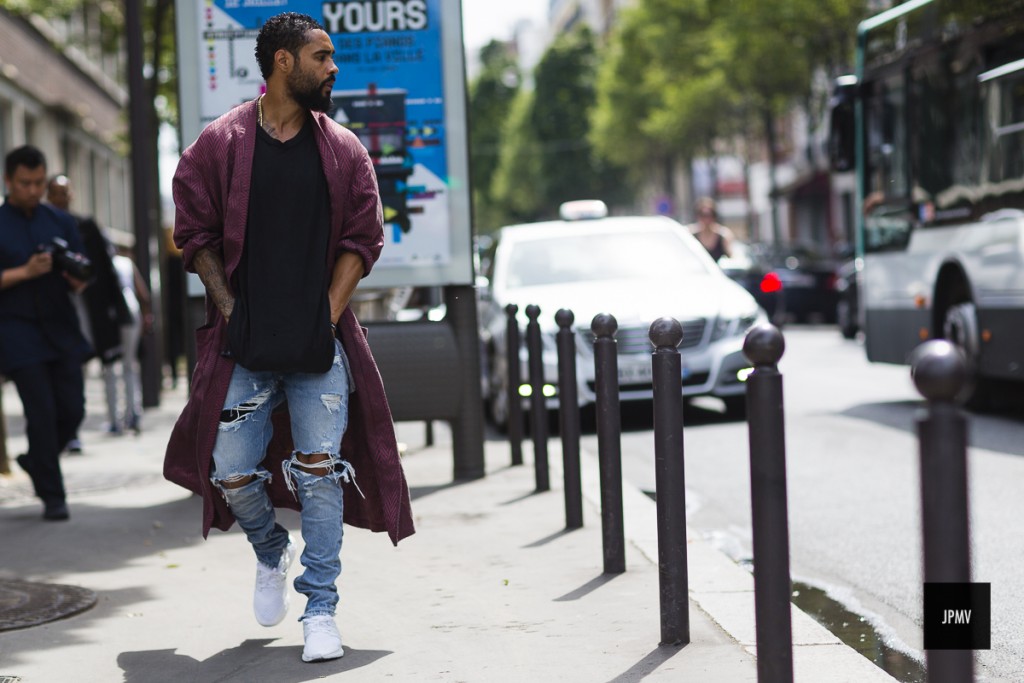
<point>680,76</point>
<point>490,100</point>
<point>662,89</point>
<point>773,48</point>
<point>547,157</point>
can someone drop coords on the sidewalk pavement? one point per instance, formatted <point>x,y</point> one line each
<point>490,588</point>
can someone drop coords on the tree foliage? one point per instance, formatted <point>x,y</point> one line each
<point>546,155</point>
<point>490,100</point>
<point>678,76</point>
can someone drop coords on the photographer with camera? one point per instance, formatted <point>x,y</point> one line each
<point>41,343</point>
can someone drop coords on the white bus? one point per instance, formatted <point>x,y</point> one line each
<point>933,125</point>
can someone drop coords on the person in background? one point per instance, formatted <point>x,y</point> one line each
<point>136,296</point>
<point>42,347</point>
<point>102,308</point>
<point>716,238</point>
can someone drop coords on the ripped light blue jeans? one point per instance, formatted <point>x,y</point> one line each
<point>318,406</point>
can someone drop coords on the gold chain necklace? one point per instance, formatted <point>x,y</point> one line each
<point>259,111</point>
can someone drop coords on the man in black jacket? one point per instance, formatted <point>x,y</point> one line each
<point>41,344</point>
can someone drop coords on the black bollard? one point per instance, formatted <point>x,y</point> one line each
<point>609,446</point>
<point>763,346</point>
<point>569,419</point>
<point>673,576</point>
<point>515,378</point>
<point>538,403</point>
<point>939,372</point>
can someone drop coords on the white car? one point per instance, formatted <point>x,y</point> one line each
<point>637,268</point>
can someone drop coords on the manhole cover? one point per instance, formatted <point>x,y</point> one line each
<point>10,679</point>
<point>24,604</point>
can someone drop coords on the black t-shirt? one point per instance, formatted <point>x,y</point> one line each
<point>281,320</point>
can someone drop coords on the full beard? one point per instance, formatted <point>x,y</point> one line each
<point>311,95</point>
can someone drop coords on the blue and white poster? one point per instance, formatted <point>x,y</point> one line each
<point>394,90</point>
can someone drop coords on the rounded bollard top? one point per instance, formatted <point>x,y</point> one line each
<point>533,311</point>
<point>604,325</point>
<point>511,309</point>
<point>666,333</point>
<point>939,370</point>
<point>764,345</point>
<point>564,317</point>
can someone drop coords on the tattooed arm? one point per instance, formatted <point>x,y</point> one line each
<point>210,268</point>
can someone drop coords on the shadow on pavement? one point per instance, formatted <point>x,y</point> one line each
<point>549,538</point>
<point>253,660</point>
<point>587,588</point>
<point>988,432</point>
<point>114,537</point>
<point>648,664</point>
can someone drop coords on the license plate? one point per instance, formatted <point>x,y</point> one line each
<point>633,373</point>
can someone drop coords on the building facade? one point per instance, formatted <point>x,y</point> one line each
<point>63,97</point>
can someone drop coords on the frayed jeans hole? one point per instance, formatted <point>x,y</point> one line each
<point>235,482</point>
<point>332,402</point>
<point>232,418</point>
<point>322,466</point>
<point>312,472</point>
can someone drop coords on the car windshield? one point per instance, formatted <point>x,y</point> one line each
<point>642,255</point>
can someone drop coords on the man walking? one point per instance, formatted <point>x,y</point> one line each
<point>41,343</point>
<point>277,210</point>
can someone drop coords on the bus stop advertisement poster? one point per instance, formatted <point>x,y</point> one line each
<point>390,92</point>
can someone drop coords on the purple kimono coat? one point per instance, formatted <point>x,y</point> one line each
<point>211,197</point>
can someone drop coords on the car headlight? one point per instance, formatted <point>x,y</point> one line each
<point>732,327</point>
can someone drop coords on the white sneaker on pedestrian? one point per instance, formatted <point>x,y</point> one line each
<point>271,597</point>
<point>323,641</point>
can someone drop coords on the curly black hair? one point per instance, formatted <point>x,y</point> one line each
<point>285,31</point>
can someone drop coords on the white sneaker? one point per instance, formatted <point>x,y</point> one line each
<point>271,597</point>
<point>323,641</point>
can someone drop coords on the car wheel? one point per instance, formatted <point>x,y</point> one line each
<point>960,327</point>
<point>497,399</point>
<point>736,406</point>
<point>845,320</point>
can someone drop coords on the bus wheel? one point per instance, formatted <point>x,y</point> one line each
<point>960,327</point>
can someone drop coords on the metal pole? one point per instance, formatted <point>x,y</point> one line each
<point>468,427</point>
<point>939,372</point>
<point>569,419</point>
<point>143,204</point>
<point>670,482</point>
<point>538,402</point>
<point>514,374</point>
<point>5,463</point>
<point>609,446</point>
<point>764,346</point>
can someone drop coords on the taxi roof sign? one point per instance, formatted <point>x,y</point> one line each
<point>583,209</point>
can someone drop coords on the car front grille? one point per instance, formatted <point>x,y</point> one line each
<point>635,339</point>
<point>694,379</point>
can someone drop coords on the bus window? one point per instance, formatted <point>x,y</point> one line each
<point>1005,110</point>
<point>887,138</point>
<point>886,228</point>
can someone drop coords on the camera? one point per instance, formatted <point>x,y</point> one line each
<point>73,263</point>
